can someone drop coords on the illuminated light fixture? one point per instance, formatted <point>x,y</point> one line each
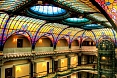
<point>103,58</point>
<point>14,39</point>
<point>40,40</point>
<point>93,43</point>
<point>89,43</point>
<point>18,68</point>
<point>74,59</point>
<point>44,64</point>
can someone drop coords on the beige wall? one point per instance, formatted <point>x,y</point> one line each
<point>75,43</point>
<point>63,64</point>
<point>43,42</point>
<point>10,65</point>
<point>10,43</point>
<point>62,43</point>
<point>58,57</point>
<point>74,61</point>
<point>40,61</point>
<point>41,68</point>
<point>22,70</point>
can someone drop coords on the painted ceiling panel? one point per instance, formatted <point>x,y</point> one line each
<point>87,2</point>
<point>110,6</point>
<point>77,6</point>
<point>11,4</point>
<point>3,19</point>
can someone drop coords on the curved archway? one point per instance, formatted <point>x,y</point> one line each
<point>44,44</point>
<point>88,42</point>
<point>17,43</point>
<point>62,44</point>
<point>75,44</point>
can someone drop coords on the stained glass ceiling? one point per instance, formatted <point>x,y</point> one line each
<point>64,15</point>
<point>110,6</point>
<point>10,5</point>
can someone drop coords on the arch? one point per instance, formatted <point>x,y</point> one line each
<point>50,36</point>
<point>45,41</point>
<point>75,44</point>
<point>88,42</point>
<point>65,39</point>
<point>20,32</point>
<point>17,43</point>
<point>87,37</point>
<point>44,44</point>
<point>105,37</point>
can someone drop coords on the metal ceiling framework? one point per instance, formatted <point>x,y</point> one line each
<point>34,29</point>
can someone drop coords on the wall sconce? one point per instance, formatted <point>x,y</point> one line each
<point>14,39</point>
<point>103,58</point>
<point>18,68</point>
<point>40,40</point>
<point>44,64</point>
<point>93,43</point>
<point>62,61</point>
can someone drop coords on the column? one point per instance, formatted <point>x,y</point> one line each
<point>54,46</point>
<point>68,63</point>
<point>1,48</point>
<point>52,65</point>
<point>32,68</point>
<point>69,45</point>
<point>33,47</point>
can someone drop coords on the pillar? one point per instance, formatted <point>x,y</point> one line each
<point>54,46</point>
<point>52,65</point>
<point>33,47</point>
<point>1,48</point>
<point>69,45</point>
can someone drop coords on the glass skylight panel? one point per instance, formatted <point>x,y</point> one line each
<point>48,10</point>
<point>77,20</point>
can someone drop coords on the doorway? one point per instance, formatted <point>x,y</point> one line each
<point>19,43</point>
<point>55,66</point>
<point>8,73</point>
<point>47,67</point>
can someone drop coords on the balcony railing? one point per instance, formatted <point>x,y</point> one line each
<point>43,49</point>
<point>17,50</point>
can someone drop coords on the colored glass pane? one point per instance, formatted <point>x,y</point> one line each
<point>92,26</point>
<point>76,5</point>
<point>11,4</point>
<point>48,10</point>
<point>76,20</point>
<point>110,6</point>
